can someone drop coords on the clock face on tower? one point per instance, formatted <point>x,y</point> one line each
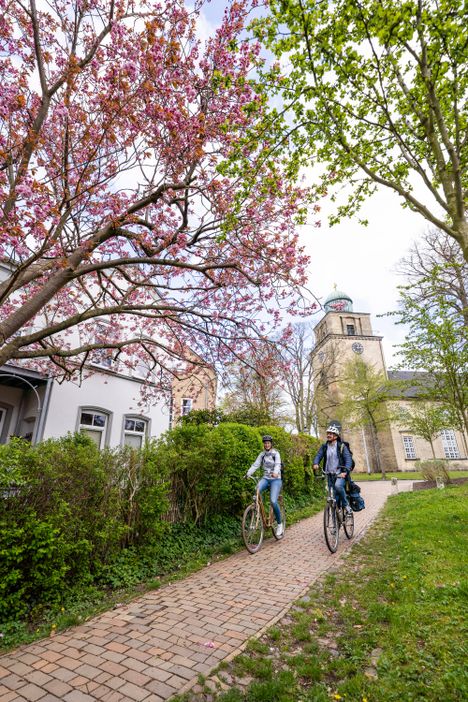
<point>357,347</point>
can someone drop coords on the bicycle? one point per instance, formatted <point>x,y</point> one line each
<point>334,518</point>
<point>255,521</point>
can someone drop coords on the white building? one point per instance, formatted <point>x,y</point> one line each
<point>104,405</point>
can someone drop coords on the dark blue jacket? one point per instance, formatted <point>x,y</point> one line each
<point>344,456</point>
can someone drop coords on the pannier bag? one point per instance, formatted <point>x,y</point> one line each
<point>355,500</point>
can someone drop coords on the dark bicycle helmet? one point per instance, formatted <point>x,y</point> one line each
<point>267,437</point>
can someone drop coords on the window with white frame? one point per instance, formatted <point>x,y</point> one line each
<point>186,405</point>
<point>135,431</point>
<point>408,445</point>
<point>94,424</point>
<point>449,443</point>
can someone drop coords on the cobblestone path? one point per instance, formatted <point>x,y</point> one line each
<point>157,645</point>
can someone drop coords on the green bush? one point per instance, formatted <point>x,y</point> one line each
<point>142,484</point>
<point>207,464</point>
<point>35,561</point>
<point>73,516</point>
<point>68,510</point>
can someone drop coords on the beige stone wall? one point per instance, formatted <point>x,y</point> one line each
<point>422,447</point>
<point>362,446</point>
<point>199,386</point>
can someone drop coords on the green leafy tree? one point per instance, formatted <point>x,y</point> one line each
<point>364,403</point>
<point>436,343</point>
<point>425,420</point>
<point>376,91</point>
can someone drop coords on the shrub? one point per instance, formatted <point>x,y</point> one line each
<point>207,464</point>
<point>68,509</point>
<point>434,469</point>
<point>35,561</point>
<point>142,484</point>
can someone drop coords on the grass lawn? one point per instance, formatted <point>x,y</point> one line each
<point>389,626</point>
<point>404,475</point>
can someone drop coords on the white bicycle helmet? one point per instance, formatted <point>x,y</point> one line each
<point>334,428</point>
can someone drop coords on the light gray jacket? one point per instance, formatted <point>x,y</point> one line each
<point>270,461</point>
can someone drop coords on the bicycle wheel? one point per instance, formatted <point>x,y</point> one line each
<point>283,520</point>
<point>348,525</point>
<point>330,527</point>
<point>252,528</point>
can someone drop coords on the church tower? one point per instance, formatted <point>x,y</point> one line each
<point>340,336</point>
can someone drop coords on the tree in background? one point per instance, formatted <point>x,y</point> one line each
<point>129,191</point>
<point>425,420</point>
<point>436,343</point>
<point>255,393</point>
<point>307,384</point>
<point>377,91</point>
<point>255,389</point>
<point>364,403</point>
<point>435,266</point>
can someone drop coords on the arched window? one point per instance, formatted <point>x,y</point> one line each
<point>135,431</point>
<point>95,423</point>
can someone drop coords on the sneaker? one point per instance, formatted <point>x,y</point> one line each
<point>348,511</point>
<point>280,530</point>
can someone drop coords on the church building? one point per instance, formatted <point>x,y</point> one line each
<point>341,335</point>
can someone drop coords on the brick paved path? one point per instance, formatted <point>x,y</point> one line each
<point>156,646</point>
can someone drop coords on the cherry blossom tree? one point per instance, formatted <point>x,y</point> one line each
<point>139,218</point>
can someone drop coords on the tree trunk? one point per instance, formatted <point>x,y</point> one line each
<point>377,451</point>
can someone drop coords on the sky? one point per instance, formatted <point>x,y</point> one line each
<point>358,260</point>
<point>361,261</point>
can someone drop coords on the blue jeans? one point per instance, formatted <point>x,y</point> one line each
<point>340,492</point>
<point>275,487</point>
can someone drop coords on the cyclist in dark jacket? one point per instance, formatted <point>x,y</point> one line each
<point>337,462</point>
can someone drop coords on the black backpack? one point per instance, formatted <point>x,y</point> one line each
<point>346,443</point>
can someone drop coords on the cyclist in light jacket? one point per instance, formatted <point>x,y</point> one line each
<point>270,460</point>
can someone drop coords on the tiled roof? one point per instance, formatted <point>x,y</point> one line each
<point>409,383</point>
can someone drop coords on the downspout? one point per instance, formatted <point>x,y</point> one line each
<point>39,428</point>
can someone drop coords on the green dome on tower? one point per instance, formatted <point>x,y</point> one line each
<point>338,301</point>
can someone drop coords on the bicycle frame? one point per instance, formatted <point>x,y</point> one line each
<point>267,521</point>
<point>334,518</point>
<point>255,520</point>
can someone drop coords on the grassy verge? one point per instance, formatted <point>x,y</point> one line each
<point>404,475</point>
<point>188,550</point>
<point>388,626</point>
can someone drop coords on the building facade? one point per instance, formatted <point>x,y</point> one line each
<point>106,405</point>
<point>342,335</point>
